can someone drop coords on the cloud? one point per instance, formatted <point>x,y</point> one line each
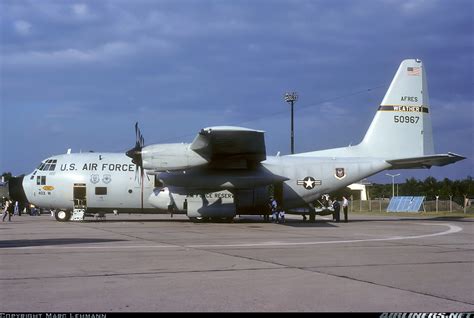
<point>104,53</point>
<point>177,66</point>
<point>64,112</point>
<point>80,9</point>
<point>22,27</point>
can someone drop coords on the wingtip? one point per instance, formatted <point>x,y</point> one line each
<point>455,155</point>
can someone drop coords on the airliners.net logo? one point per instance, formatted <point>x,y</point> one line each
<point>427,315</point>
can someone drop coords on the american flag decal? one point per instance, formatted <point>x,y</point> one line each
<point>414,71</point>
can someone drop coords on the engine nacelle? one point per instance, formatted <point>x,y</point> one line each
<point>168,157</point>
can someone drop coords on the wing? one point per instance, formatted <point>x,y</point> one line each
<point>227,147</point>
<point>425,161</point>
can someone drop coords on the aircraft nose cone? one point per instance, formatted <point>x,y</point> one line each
<point>15,189</point>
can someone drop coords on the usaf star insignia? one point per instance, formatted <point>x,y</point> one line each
<point>308,183</point>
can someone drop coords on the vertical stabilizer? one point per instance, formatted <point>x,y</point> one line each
<point>401,127</point>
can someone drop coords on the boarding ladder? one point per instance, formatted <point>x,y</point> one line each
<point>79,210</point>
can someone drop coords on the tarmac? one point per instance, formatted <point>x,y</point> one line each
<point>154,263</point>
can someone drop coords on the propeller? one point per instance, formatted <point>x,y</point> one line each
<point>136,152</point>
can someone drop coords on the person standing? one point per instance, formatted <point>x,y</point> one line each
<point>7,210</point>
<point>4,209</point>
<point>337,208</point>
<point>274,209</point>
<point>281,214</point>
<point>345,206</point>
<point>16,209</point>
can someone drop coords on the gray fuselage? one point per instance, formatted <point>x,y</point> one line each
<point>109,181</point>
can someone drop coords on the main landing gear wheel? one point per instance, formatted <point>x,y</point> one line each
<point>62,216</point>
<point>199,219</point>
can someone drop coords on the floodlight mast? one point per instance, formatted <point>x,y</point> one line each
<point>393,182</point>
<point>291,98</point>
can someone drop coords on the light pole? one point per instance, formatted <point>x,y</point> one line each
<point>291,98</point>
<point>393,182</point>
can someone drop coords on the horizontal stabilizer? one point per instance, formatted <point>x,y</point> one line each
<point>425,161</point>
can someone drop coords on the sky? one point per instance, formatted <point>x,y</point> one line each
<point>79,74</point>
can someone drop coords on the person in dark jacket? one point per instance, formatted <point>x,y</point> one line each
<point>337,208</point>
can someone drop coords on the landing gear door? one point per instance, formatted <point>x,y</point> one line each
<point>79,196</point>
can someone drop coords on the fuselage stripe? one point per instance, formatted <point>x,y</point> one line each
<point>404,108</point>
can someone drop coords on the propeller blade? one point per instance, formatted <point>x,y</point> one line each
<point>136,153</point>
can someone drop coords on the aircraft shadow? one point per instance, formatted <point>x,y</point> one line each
<point>317,223</point>
<point>137,221</point>
<point>241,220</point>
<point>291,222</point>
<point>54,241</point>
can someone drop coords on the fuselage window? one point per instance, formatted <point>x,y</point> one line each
<point>101,190</point>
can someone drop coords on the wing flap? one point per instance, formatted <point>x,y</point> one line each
<point>425,161</point>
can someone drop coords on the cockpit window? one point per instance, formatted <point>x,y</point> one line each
<point>40,180</point>
<point>48,165</point>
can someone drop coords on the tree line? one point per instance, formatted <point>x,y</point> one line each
<point>429,188</point>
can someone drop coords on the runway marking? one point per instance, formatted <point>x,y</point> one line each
<point>90,247</point>
<point>451,229</point>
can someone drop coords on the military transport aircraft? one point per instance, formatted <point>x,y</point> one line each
<point>225,171</point>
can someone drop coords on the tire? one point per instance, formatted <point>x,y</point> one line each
<point>199,219</point>
<point>62,216</point>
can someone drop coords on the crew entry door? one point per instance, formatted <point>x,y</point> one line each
<point>79,196</point>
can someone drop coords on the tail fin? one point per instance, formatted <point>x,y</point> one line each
<point>401,127</point>
<point>400,132</point>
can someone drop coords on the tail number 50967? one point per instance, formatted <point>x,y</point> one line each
<point>406,119</point>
